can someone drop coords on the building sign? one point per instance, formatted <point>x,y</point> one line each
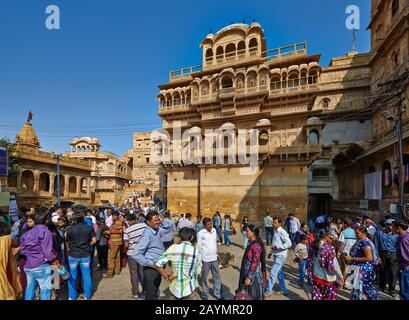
<point>4,163</point>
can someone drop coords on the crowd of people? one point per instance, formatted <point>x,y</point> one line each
<point>45,244</point>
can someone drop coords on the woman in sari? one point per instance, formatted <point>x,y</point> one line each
<point>363,255</point>
<point>253,265</point>
<point>10,287</point>
<point>323,268</point>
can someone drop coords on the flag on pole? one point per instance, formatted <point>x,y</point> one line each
<point>30,116</point>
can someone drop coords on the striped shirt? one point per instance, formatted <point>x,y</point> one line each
<point>132,234</point>
<point>186,266</point>
<point>116,231</point>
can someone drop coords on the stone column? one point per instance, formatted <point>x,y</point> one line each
<point>19,180</point>
<point>78,191</point>
<point>88,187</point>
<point>66,187</point>
<point>52,177</point>
<point>36,187</point>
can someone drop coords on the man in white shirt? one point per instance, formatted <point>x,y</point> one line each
<point>57,214</point>
<point>279,249</point>
<point>207,243</point>
<point>293,226</point>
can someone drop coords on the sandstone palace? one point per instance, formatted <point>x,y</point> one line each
<point>284,93</point>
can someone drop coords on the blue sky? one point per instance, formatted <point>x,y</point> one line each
<point>98,74</point>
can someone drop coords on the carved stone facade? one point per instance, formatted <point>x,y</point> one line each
<point>282,93</point>
<point>37,182</point>
<point>378,152</point>
<point>87,174</point>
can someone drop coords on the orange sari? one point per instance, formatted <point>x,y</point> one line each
<point>10,287</point>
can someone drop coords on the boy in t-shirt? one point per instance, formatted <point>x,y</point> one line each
<point>301,254</point>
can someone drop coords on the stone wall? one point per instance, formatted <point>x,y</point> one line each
<point>276,189</point>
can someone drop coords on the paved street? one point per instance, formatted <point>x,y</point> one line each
<point>119,288</point>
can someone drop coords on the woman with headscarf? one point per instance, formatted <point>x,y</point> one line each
<point>253,265</point>
<point>363,254</point>
<point>323,268</point>
<point>10,287</point>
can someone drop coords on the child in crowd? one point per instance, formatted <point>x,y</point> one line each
<point>301,254</point>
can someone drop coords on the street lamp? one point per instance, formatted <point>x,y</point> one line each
<point>398,126</point>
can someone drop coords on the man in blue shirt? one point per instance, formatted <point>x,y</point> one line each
<point>385,242</point>
<point>147,251</point>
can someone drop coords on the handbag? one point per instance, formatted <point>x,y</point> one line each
<point>352,279</point>
<point>243,294</point>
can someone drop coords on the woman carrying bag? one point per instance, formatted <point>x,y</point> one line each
<point>253,268</point>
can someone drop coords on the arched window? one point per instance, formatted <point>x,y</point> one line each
<point>387,178</point>
<point>275,83</point>
<point>204,88</point>
<point>44,183</point>
<point>209,55</point>
<point>395,7</point>
<point>241,49</point>
<point>72,185</point>
<point>240,81</point>
<point>293,80</point>
<point>253,46</point>
<point>83,149</point>
<point>176,99</point>
<point>230,51</point>
<point>88,149</point>
<point>168,99</point>
<point>313,138</point>
<point>312,78</point>
<point>219,54</point>
<point>227,82</point>
<point>325,103</point>
<point>78,149</point>
<point>27,180</point>
<point>251,79</point>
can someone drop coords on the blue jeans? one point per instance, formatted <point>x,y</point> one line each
<point>40,276</point>
<point>227,240</point>
<point>302,264</point>
<point>277,272</point>
<point>85,265</point>
<point>404,285</point>
<point>245,239</point>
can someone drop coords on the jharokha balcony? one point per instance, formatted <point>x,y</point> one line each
<point>276,87</point>
<point>253,52</point>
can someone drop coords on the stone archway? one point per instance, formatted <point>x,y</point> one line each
<point>44,182</point>
<point>27,180</point>
<point>62,184</point>
<point>72,185</point>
